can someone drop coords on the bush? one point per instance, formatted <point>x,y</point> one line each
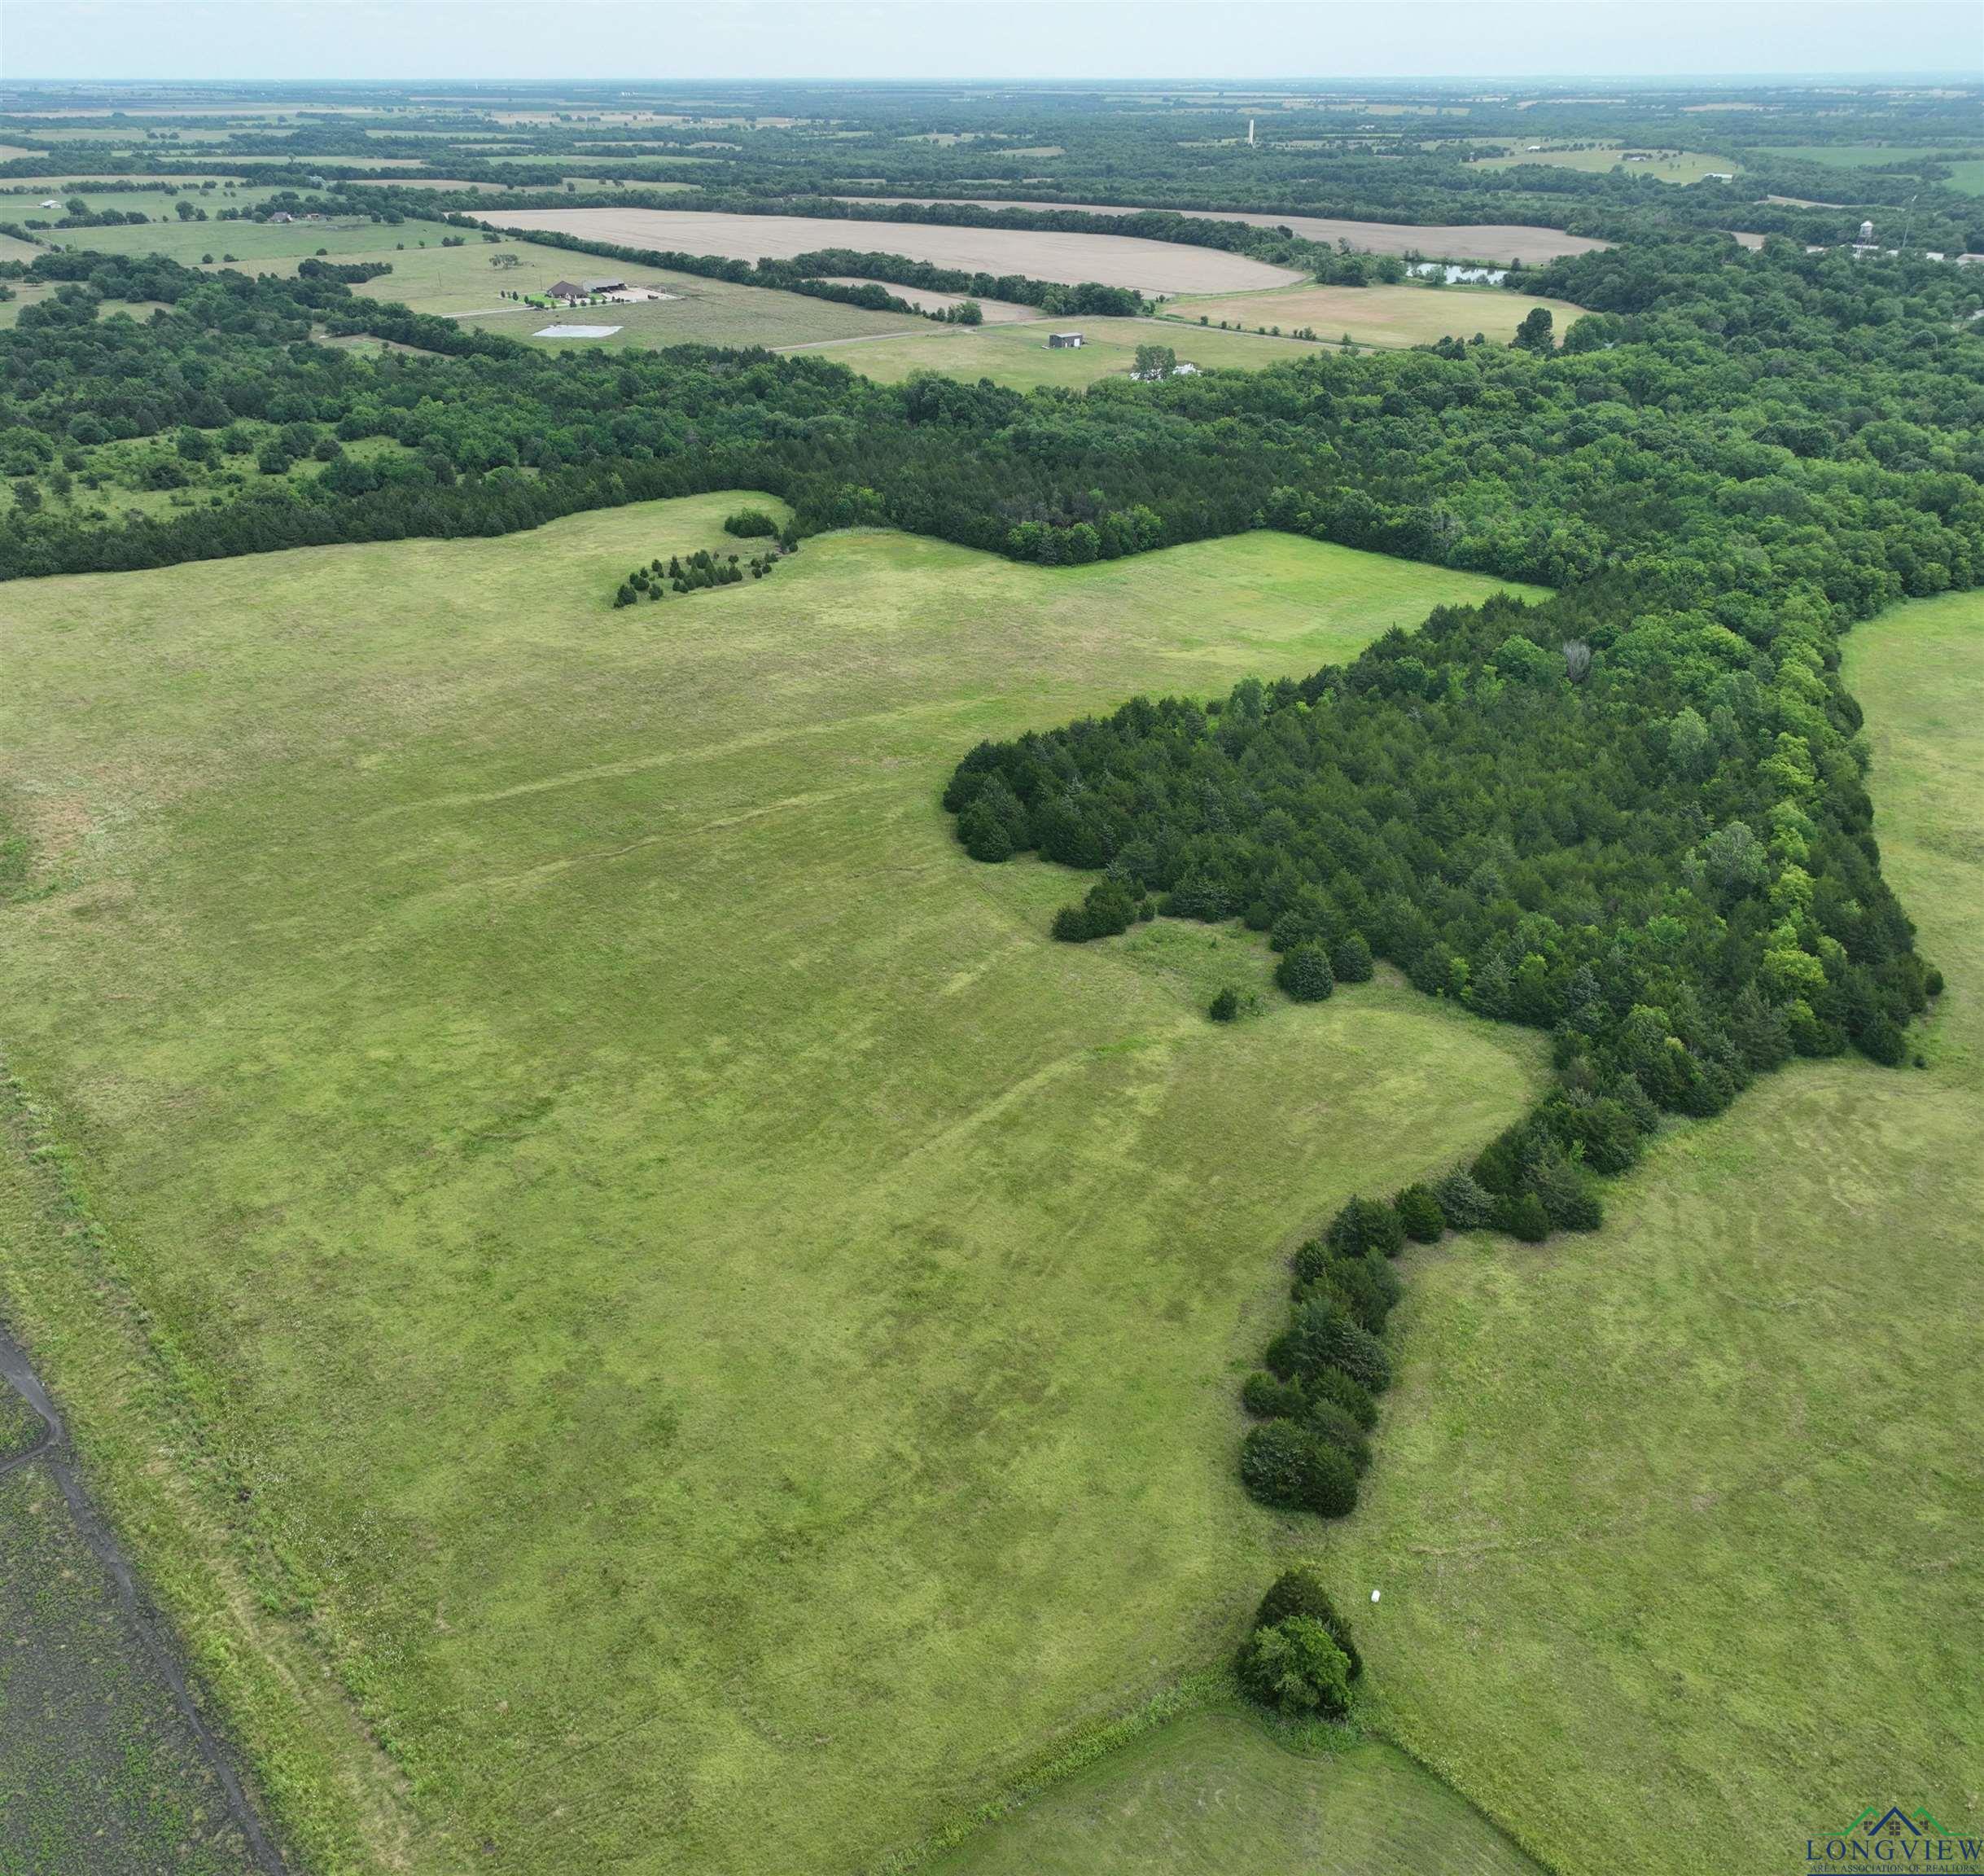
<point>1267,1399</point>
<point>1225,1007</point>
<point>1296,1668</point>
<point>1521,1216</point>
<point>1419,1215</point>
<point>1334,1386</point>
<point>1366,1286</point>
<point>1330,1423</point>
<point>1284,1464</point>
<point>1352,960</point>
<point>1300,1591</point>
<point>1311,1259</point>
<point>1366,1225</point>
<point>1465,1205</point>
<point>749,524</point>
<point>1110,909</point>
<point>1304,974</point>
<point>1324,1336</point>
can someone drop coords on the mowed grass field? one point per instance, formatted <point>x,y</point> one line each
<point>664,1294</point>
<point>1020,356</point>
<point>1664,165</point>
<point>1215,1794</point>
<point>1382,316</point>
<point>1679,1529</point>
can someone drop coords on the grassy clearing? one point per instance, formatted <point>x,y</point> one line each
<point>1677,166</point>
<point>720,1334</point>
<point>1380,316</point>
<point>1019,355</point>
<point>1215,1793</point>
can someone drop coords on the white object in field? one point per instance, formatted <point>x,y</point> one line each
<point>577,332</point>
<point>1249,133</point>
<point>1374,1595</point>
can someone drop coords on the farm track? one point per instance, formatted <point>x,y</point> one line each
<point>53,1451</point>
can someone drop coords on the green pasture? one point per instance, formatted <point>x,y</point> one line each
<point>1966,165</point>
<point>1019,355</point>
<point>639,1312</point>
<point>1215,1793</point>
<point>1662,164</point>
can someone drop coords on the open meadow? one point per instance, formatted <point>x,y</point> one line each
<point>1498,244</point>
<point>1113,259</point>
<point>1381,315</point>
<point>1679,1526</point>
<point>658,1363</point>
<point>1020,356</point>
<point>1663,164</point>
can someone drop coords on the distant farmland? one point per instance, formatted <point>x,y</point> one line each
<point>1377,315</point>
<point>1113,260</point>
<point>1499,241</point>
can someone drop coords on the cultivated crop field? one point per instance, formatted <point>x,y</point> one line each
<point>1379,315</point>
<point>1499,243</point>
<point>720,1378</point>
<point>1113,259</point>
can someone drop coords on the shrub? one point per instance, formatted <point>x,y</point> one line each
<point>1267,1399</point>
<point>749,524</point>
<point>1300,1591</point>
<point>1311,1260</point>
<point>1521,1216</point>
<point>983,834</point>
<point>1352,960</point>
<point>1330,1422</point>
<point>1109,909</point>
<point>625,596</point>
<point>1365,1286</point>
<point>1334,1386</point>
<point>1419,1215</point>
<point>1464,1204</point>
<point>1296,1668</point>
<point>1325,1337</point>
<point>1284,1464</point>
<point>1225,1007</point>
<point>1366,1225</point>
<point>1304,973</point>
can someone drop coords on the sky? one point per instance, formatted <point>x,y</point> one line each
<point>1275,39</point>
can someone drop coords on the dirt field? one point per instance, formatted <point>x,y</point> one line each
<point>1499,241</point>
<point>996,311</point>
<point>1113,260</point>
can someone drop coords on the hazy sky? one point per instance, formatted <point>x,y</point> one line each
<point>829,39</point>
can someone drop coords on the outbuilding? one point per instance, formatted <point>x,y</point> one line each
<point>1063,341</point>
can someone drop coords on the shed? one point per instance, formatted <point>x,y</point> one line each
<point>1063,341</point>
<point>606,285</point>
